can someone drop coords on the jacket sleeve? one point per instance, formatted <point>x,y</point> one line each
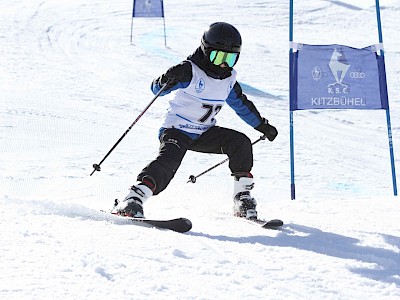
<point>179,76</point>
<point>243,107</point>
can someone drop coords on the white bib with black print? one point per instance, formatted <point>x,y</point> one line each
<point>193,109</point>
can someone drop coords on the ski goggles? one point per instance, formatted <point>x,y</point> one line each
<point>218,57</point>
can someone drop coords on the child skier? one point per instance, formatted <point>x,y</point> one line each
<point>204,83</point>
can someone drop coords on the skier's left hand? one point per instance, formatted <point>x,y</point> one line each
<point>267,129</point>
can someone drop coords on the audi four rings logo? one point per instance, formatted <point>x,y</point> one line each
<point>357,75</point>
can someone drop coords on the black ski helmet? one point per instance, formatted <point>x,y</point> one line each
<point>221,36</point>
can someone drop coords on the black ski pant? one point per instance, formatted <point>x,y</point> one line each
<point>218,140</point>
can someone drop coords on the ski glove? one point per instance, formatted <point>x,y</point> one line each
<point>169,79</point>
<point>268,130</point>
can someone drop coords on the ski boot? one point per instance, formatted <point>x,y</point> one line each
<point>244,204</point>
<point>132,205</point>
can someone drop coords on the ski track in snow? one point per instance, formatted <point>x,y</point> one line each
<point>71,85</point>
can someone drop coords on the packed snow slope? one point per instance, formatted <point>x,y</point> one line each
<point>71,84</point>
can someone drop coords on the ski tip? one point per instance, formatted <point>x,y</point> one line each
<point>188,223</point>
<point>273,224</point>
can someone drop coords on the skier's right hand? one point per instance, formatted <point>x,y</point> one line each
<point>168,79</point>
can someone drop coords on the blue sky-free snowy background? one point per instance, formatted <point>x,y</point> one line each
<point>71,84</point>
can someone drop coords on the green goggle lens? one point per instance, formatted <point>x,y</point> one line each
<point>218,57</point>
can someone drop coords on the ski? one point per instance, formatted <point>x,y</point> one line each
<point>272,224</point>
<point>267,224</point>
<point>180,225</point>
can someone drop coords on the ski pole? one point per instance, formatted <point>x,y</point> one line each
<point>96,167</point>
<point>193,178</point>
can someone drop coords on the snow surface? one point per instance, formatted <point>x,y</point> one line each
<point>71,84</point>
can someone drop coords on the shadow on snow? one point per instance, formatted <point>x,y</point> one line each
<point>386,266</point>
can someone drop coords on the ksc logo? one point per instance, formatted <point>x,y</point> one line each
<point>200,85</point>
<point>230,87</point>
